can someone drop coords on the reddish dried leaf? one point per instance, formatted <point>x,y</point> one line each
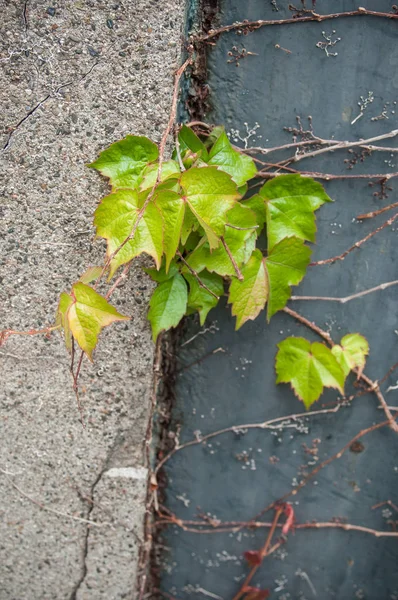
<point>254,593</point>
<point>253,557</point>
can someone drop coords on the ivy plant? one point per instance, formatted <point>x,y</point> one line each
<point>311,367</point>
<point>190,215</point>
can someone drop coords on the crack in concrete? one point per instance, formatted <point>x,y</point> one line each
<point>90,500</point>
<point>91,505</point>
<point>13,129</point>
<point>25,15</point>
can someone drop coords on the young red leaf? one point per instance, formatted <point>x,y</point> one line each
<point>255,593</point>
<point>290,518</point>
<point>253,557</point>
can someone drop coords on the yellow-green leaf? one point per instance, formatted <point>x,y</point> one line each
<point>115,218</point>
<point>88,314</point>
<point>268,280</point>
<point>352,352</point>
<point>210,194</point>
<point>240,166</point>
<point>170,170</point>
<point>240,242</point>
<point>308,368</point>
<point>248,297</point>
<point>91,274</point>
<point>189,224</point>
<point>65,302</point>
<point>290,204</point>
<point>257,205</point>
<point>172,208</point>
<point>124,161</point>
<point>286,265</point>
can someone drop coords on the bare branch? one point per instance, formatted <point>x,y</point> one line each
<point>119,280</point>
<point>310,324</point>
<point>382,286</point>
<point>342,256</point>
<point>345,145</point>
<point>330,177</point>
<point>375,213</point>
<point>75,377</point>
<point>346,527</point>
<point>384,503</point>
<point>271,424</point>
<point>312,16</point>
<point>235,526</point>
<point>6,333</point>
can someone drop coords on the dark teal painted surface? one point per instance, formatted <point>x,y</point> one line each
<point>236,385</point>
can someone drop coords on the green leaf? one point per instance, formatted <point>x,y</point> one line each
<point>240,166</point>
<point>210,194</point>
<point>172,208</point>
<point>290,204</point>
<point>308,368</point>
<point>268,280</point>
<point>115,218</point>
<point>257,205</point>
<point>352,352</point>
<point>189,224</point>
<point>124,161</point>
<point>170,169</point>
<point>65,302</point>
<point>91,274</point>
<point>240,242</point>
<point>214,135</point>
<point>192,241</point>
<point>248,297</point>
<point>161,275</point>
<point>286,265</point>
<point>168,305</point>
<point>199,298</point>
<point>88,314</point>
<point>242,189</point>
<point>189,141</point>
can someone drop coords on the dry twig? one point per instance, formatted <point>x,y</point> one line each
<point>377,288</point>
<point>356,245</point>
<point>375,213</point>
<point>312,16</point>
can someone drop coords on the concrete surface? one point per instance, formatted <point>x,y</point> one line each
<point>75,76</point>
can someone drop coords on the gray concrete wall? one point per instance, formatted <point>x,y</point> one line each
<point>75,76</point>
